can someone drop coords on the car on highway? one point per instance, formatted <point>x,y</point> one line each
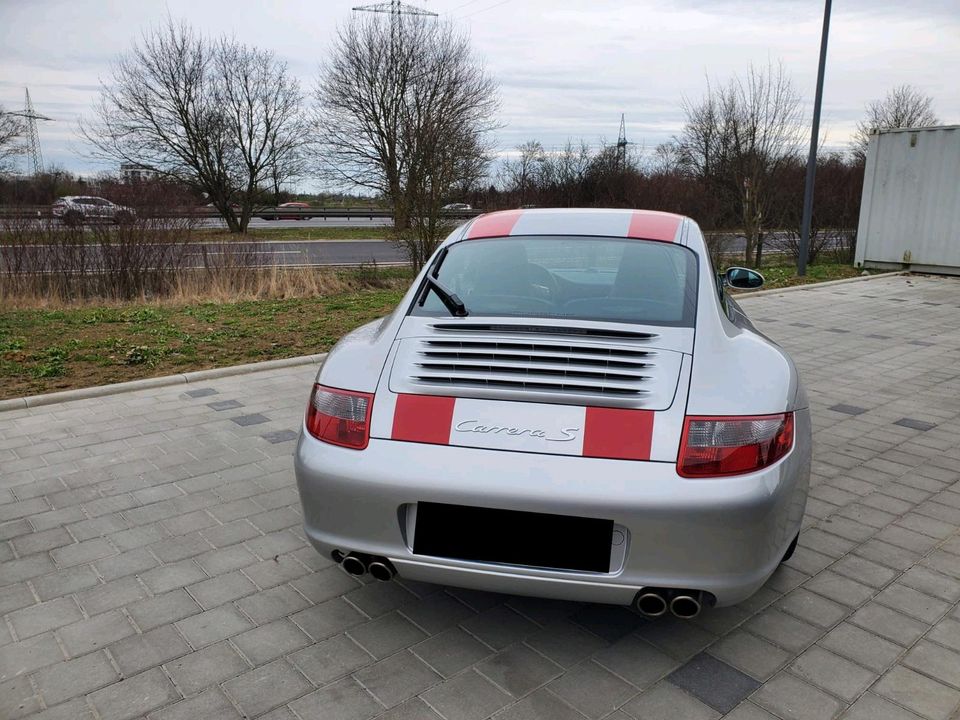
<point>568,404</point>
<point>76,210</point>
<point>457,206</point>
<point>280,216</point>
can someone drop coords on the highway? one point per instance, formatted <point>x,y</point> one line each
<point>304,252</point>
<point>295,253</point>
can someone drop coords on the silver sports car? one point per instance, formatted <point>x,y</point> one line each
<point>569,404</point>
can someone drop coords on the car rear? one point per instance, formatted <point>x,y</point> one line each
<point>542,447</point>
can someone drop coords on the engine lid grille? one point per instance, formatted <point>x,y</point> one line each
<point>581,371</point>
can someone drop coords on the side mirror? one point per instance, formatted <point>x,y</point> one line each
<point>741,278</point>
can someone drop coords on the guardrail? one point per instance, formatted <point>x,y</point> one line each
<point>264,213</point>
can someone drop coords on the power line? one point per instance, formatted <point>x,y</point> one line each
<point>490,7</point>
<point>460,7</point>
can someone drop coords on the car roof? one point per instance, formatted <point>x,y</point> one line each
<point>82,197</point>
<point>604,222</point>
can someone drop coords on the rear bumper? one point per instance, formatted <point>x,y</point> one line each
<point>723,536</point>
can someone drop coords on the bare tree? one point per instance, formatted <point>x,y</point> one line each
<point>903,107</point>
<point>12,129</point>
<point>405,114</point>
<point>526,174</point>
<point>214,114</point>
<point>739,139</point>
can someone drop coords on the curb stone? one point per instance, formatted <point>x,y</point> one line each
<point>196,376</point>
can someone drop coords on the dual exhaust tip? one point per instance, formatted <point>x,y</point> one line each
<point>655,602</point>
<point>358,564</point>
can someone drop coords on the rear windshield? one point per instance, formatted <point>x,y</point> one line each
<point>578,278</point>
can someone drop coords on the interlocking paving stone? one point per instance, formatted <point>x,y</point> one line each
<point>201,392</point>
<point>270,641</point>
<point>862,646</point>
<point>401,676</point>
<point>140,652</point>
<point>636,661</point>
<point>27,655</point>
<point>468,696</point>
<point>96,632</point>
<point>211,703</point>
<point>538,705</point>
<point>833,673</point>
<point>793,699</point>
<point>162,609</point>
<point>848,409</point>
<point>207,667</point>
<point>222,405</point>
<point>385,635</point>
<point>72,678</point>
<point>17,699</point>
<point>331,659</point>
<point>268,686</point>
<point>919,693</point>
<point>214,625</point>
<point>252,419</point>
<point>134,696</point>
<point>915,424</point>
<point>713,682</point>
<point>665,701</point>
<point>874,707</point>
<point>563,642</point>
<point>749,653</point>
<point>280,436</point>
<point>342,700</point>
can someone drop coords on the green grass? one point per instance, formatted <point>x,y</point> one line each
<point>118,343</point>
<point>779,274</point>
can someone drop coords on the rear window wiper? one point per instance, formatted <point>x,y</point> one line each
<point>449,299</point>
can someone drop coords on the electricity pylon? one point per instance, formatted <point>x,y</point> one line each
<point>32,136</point>
<point>396,9</point>
<point>622,143</point>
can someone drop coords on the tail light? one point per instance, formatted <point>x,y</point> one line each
<point>716,446</point>
<point>339,417</point>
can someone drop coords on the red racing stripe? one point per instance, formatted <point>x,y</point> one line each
<point>619,434</point>
<point>497,224</point>
<point>648,225</point>
<point>423,419</point>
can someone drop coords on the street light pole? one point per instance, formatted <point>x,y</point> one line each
<point>812,158</point>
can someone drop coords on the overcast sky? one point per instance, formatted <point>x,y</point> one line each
<point>566,68</point>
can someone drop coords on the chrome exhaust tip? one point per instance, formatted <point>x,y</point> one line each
<point>354,565</point>
<point>651,604</point>
<point>685,607</point>
<point>381,569</point>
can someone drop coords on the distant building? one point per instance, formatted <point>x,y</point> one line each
<point>131,173</point>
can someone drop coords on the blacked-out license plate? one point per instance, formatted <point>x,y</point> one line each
<point>513,537</point>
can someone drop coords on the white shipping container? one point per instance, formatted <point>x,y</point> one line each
<point>910,210</point>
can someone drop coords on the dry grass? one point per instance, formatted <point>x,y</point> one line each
<point>226,286</point>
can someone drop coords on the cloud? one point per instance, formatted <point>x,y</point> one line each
<point>567,68</point>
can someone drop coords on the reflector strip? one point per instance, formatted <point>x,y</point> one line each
<point>618,434</point>
<point>423,419</point>
<point>498,224</point>
<point>646,225</point>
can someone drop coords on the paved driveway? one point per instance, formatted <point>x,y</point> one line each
<point>152,563</point>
